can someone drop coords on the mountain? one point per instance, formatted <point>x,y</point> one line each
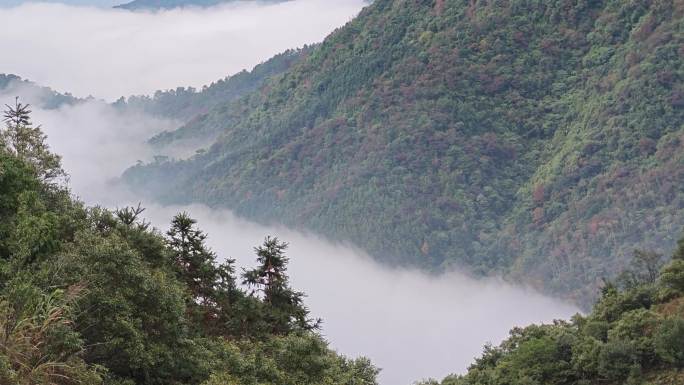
<point>539,140</point>
<point>43,97</point>
<point>170,4</point>
<point>190,106</point>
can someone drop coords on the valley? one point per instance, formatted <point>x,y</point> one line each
<point>465,192</point>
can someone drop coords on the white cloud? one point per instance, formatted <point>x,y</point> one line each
<point>110,53</point>
<point>411,324</point>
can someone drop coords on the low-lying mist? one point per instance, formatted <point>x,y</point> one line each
<point>110,53</point>
<point>411,324</point>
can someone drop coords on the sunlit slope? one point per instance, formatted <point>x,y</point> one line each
<point>538,139</point>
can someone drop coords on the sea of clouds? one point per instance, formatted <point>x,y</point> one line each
<point>109,53</point>
<point>411,324</point>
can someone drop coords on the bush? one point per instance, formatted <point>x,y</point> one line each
<point>669,341</point>
<point>616,359</point>
<point>672,276</point>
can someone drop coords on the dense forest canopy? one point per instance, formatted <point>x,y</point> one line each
<point>541,140</point>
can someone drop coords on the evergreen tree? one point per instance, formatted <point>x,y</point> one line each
<point>286,310</point>
<point>128,216</point>
<point>211,286</point>
<point>27,142</point>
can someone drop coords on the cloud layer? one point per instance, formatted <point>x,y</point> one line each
<point>111,53</point>
<point>411,324</point>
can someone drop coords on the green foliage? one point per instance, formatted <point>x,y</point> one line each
<point>39,343</point>
<point>291,360</point>
<point>44,97</point>
<point>669,340</point>
<point>539,139</point>
<point>673,276</point>
<point>98,297</point>
<point>287,312</point>
<point>633,335</point>
<point>27,142</point>
<point>191,106</point>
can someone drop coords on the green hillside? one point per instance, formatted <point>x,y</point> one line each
<point>538,139</point>
<point>90,296</point>
<point>634,335</point>
<point>190,105</point>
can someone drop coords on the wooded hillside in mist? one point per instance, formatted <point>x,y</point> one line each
<point>541,140</point>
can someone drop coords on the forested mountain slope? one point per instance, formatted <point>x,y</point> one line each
<point>539,139</point>
<point>191,106</point>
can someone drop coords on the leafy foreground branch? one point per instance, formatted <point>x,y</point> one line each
<point>93,296</point>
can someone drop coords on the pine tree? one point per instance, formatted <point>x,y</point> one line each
<point>286,310</point>
<point>27,142</point>
<point>211,286</point>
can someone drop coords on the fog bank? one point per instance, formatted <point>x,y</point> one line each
<point>111,53</point>
<point>410,324</point>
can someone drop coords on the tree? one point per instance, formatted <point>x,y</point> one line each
<point>286,308</point>
<point>211,287</point>
<point>27,142</point>
<point>129,216</point>
<point>644,268</point>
